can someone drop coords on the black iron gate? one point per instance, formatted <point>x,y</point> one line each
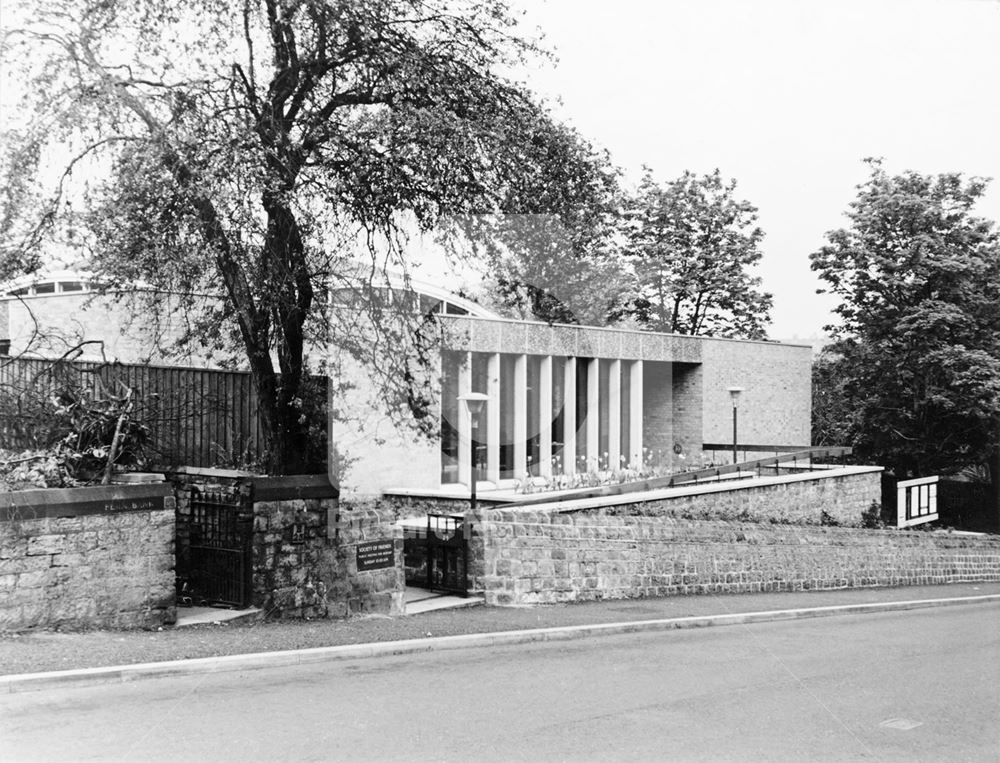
<point>437,555</point>
<point>219,548</point>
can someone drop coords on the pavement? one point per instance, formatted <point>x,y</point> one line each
<point>418,601</point>
<point>910,686</point>
<point>232,649</point>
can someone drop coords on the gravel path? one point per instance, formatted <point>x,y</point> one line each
<point>47,650</point>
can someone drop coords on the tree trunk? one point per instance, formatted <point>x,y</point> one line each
<point>289,301</point>
<point>285,438</point>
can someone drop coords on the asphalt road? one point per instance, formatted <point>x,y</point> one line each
<point>921,685</point>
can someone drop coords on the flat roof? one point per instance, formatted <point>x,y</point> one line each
<point>512,336</point>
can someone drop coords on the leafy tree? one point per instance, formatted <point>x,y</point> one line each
<point>918,276</point>
<point>553,253</point>
<point>691,244</point>
<point>832,411</point>
<point>253,144</point>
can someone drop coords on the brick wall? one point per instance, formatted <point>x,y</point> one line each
<point>688,413</point>
<point>527,557</point>
<point>776,405</point>
<point>657,415</point>
<point>109,569</point>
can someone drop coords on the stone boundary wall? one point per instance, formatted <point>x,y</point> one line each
<point>368,591</point>
<point>290,577</point>
<point>97,557</point>
<point>836,496</point>
<point>305,560</point>
<point>304,557</point>
<point>405,506</point>
<point>529,557</point>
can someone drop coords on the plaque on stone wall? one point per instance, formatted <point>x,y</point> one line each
<point>82,501</point>
<point>375,555</point>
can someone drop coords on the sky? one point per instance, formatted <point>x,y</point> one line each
<point>787,97</point>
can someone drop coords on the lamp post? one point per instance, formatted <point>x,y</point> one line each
<point>734,394</point>
<point>474,401</point>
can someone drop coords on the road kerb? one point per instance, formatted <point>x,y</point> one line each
<point>206,665</point>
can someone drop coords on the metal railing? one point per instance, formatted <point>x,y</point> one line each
<point>742,470</point>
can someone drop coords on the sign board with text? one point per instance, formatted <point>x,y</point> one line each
<point>82,501</point>
<point>376,555</point>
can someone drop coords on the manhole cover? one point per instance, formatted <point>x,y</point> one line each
<point>903,724</point>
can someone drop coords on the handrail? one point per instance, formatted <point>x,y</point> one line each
<point>683,478</point>
<point>754,448</point>
<point>718,471</point>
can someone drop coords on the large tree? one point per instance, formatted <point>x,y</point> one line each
<point>239,148</point>
<point>692,245</point>
<point>918,353</point>
<point>833,413</point>
<point>553,252</point>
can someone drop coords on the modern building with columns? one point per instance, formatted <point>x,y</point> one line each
<point>564,399</point>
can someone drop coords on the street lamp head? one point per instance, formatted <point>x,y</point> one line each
<point>734,393</point>
<point>474,401</point>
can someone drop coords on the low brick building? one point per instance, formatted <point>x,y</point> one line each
<point>564,400</point>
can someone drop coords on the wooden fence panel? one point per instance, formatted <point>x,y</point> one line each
<point>196,416</point>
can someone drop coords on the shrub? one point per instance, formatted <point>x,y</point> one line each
<point>93,423</point>
<point>828,520</point>
<point>30,469</point>
<point>874,517</point>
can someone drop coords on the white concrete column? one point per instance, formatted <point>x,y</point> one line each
<point>520,416</point>
<point>545,417</point>
<point>465,423</point>
<point>569,416</point>
<point>593,415</point>
<point>635,409</point>
<point>493,419</point>
<point>614,415</point>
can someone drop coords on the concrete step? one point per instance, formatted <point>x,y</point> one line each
<point>202,615</point>
<point>420,600</point>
